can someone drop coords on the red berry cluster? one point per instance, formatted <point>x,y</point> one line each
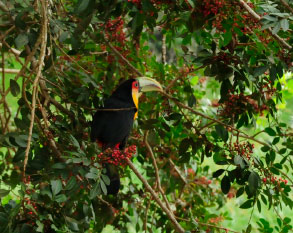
<point>136,2</point>
<point>114,30</point>
<point>226,58</point>
<point>243,149</point>
<point>202,181</point>
<point>27,201</point>
<point>117,157</point>
<point>267,90</point>
<point>221,10</point>
<point>212,7</point>
<point>274,180</point>
<point>236,104</point>
<point>277,183</point>
<point>114,33</point>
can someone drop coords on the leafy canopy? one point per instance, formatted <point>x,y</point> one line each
<point>220,131</point>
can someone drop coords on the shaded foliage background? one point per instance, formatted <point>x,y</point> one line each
<point>216,133</point>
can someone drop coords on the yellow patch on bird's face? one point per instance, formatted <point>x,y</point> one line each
<point>135,96</point>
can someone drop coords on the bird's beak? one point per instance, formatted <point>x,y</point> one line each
<point>149,84</point>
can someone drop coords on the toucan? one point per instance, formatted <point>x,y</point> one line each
<point>111,129</point>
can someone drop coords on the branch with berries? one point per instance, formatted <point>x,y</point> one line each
<point>258,18</point>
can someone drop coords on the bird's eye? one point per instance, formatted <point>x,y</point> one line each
<point>136,84</point>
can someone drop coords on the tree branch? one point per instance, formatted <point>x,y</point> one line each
<point>156,170</point>
<point>258,18</point>
<point>9,71</point>
<point>156,198</point>
<point>287,5</point>
<point>123,58</point>
<point>164,50</point>
<point>36,81</point>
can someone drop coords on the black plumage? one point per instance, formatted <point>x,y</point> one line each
<point>110,128</point>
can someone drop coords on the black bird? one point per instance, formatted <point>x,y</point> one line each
<point>110,129</point>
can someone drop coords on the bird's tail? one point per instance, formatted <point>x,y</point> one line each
<point>113,173</point>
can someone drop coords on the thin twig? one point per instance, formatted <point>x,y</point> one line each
<point>208,225</point>
<point>7,32</point>
<point>70,58</point>
<point>9,71</point>
<point>3,7</point>
<point>171,84</point>
<point>13,50</point>
<point>36,81</point>
<point>164,50</point>
<point>199,113</point>
<point>156,170</point>
<point>156,198</point>
<point>146,216</point>
<point>177,171</point>
<point>46,131</point>
<point>287,5</point>
<point>24,67</point>
<point>123,58</point>
<point>217,227</point>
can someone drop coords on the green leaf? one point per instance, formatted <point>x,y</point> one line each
<point>191,3</point>
<point>184,145</point>
<point>248,229</point>
<point>60,198</point>
<point>284,24</point>
<point>19,22</point>
<point>218,173</point>
<point>83,4</point>
<point>174,116</point>
<point>103,186</point>
<point>277,28</point>
<point>74,141</point>
<point>56,186</point>
<point>276,140</point>
<point>264,200</point>
<point>21,40</point>
<point>96,190</point>
<point>242,121</point>
<point>21,140</point>
<point>272,156</point>
<point>225,184</point>
<point>59,166</point>
<point>253,182</point>
<point>106,179</point>
<point>265,148</point>
<point>40,226</point>
<point>259,70</point>
<point>64,36</point>
<point>93,176</point>
<point>274,170</point>
<point>282,151</point>
<point>270,131</point>
<point>191,101</point>
<point>258,205</point>
<point>4,192</point>
<point>240,192</point>
<point>14,87</point>
<point>238,160</point>
<point>71,183</point>
<point>222,132</point>
<point>227,37</point>
<point>246,205</point>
